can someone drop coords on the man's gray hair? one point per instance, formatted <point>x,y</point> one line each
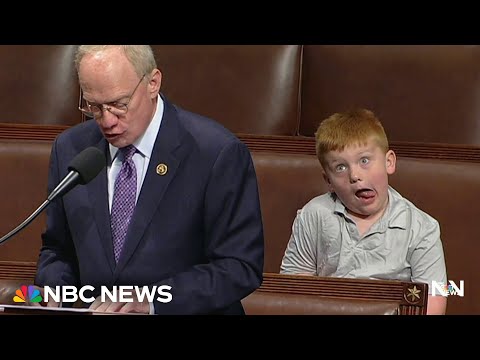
<point>140,56</point>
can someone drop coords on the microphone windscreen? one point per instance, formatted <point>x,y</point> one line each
<point>88,164</point>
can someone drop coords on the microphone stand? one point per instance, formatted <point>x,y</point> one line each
<point>25,222</point>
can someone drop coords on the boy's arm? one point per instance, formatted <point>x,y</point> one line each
<point>428,264</point>
<point>437,305</point>
<point>300,254</point>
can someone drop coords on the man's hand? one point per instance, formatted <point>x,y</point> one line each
<point>118,307</point>
<point>50,303</point>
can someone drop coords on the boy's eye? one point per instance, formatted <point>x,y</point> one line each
<point>364,161</point>
<point>340,168</point>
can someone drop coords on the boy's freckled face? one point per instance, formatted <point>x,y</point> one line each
<point>359,176</point>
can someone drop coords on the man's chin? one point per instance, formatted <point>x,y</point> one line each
<point>117,141</point>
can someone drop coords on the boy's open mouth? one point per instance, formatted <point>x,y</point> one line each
<point>365,193</point>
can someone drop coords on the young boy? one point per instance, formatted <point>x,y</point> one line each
<point>363,228</point>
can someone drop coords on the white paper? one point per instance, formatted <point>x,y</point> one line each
<point>26,308</point>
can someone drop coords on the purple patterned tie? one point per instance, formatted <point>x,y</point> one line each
<point>124,196</point>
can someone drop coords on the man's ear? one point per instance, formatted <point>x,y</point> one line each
<point>391,162</point>
<point>327,180</point>
<point>155,83</point>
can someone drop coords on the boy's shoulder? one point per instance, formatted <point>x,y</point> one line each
<point>324,203</point>
<point>402,204</point>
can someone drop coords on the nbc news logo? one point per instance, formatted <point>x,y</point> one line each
<point>31,292</point>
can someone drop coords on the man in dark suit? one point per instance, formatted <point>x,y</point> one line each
<point>196,224</point>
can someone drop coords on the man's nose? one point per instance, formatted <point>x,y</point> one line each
<point>108,119</point>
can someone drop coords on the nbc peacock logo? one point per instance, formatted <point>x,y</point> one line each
<point>33,294</point>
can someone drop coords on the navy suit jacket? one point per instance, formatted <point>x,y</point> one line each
<point>197,228</point>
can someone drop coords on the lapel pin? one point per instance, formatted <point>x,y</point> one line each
<point>162,169</point>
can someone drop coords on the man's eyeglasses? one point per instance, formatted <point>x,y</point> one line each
<point>96,110</point>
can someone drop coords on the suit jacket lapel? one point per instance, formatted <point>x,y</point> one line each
<point>155,183</point>
<point>98,194</point>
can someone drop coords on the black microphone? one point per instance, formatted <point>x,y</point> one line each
<point>82,169</point>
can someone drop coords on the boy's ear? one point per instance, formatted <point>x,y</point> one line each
<point>327,180</point>
<point>391,161</point>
